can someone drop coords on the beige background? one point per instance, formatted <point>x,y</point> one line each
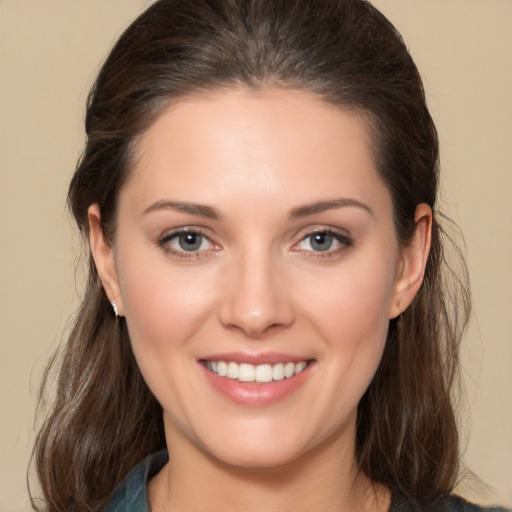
<point>49,53</point>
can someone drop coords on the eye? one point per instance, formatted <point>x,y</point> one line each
<point>323,241</point>
<point>320,241</point>
<point>189,242</point>
<point>186,241</point>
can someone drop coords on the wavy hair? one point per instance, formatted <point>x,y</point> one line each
<point>104,418</point>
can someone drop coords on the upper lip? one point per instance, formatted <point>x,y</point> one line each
<point>256,359</point>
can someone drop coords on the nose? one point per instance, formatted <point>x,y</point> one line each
<point>256,297</point>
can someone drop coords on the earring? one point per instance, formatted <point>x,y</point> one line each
<point>114,307</point>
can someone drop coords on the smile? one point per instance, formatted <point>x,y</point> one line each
<point>262,373</point>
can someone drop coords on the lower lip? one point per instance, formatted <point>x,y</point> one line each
<point>255,393</point>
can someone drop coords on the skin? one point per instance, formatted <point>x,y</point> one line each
<point>257,285</point>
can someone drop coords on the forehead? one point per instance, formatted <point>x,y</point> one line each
<point>269,145</point>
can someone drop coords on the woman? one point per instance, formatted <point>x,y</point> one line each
<point>268,301</point>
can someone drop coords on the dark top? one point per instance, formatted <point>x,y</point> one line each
<point>131,495</point>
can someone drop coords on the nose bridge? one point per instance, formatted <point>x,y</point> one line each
<point>256,297</point>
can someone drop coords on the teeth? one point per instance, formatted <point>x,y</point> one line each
<point>289,370</point>
<point>278,371</point>
<point>222,368</point>
<point>246,372</point>
<point>232,372</point>
<point>300,367</point>
<point>255,373</point>
<point>263,373</point>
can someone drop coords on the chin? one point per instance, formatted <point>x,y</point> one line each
<point>267,447</point>
<point>257,459</point>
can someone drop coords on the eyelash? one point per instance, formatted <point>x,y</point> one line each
<point>164,243</point>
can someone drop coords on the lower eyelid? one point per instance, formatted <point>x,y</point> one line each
<point>174,234</point>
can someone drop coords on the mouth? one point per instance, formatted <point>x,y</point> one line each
<point>257,380</point>
<point>261,373</point>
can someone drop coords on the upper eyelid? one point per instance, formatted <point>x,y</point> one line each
<point>187,229</point>
<point>325,229</point>
<point>328,229</point>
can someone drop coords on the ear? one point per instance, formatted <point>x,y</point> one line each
<point>414,258</point>
<point>103,254</point>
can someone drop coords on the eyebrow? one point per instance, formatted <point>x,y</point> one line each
<point>322,206</point>
<point>200,210</point>
<point>208,212</point>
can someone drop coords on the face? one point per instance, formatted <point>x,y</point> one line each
<point>257,265</point>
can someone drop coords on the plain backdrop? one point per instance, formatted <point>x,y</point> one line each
<point>49,54</point>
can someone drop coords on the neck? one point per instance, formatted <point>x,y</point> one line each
<point>324,479</point>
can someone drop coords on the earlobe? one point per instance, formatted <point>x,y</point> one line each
<point>414,258</point>
<point>103,255</point>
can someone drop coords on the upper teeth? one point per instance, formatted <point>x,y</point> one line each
<point>255,373</point>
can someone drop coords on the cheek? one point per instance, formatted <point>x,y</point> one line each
<point>356,299</point>
<point>164,306</point>
<point>351,312</point>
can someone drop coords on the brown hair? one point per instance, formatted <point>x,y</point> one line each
<point>104,418</point>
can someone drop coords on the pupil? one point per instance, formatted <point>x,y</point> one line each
<point>321,242</point>
<point>190,241</point>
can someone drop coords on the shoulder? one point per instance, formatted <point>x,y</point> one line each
<point>131,494</point>
<point>451,503</point>
<point>458,504</point>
